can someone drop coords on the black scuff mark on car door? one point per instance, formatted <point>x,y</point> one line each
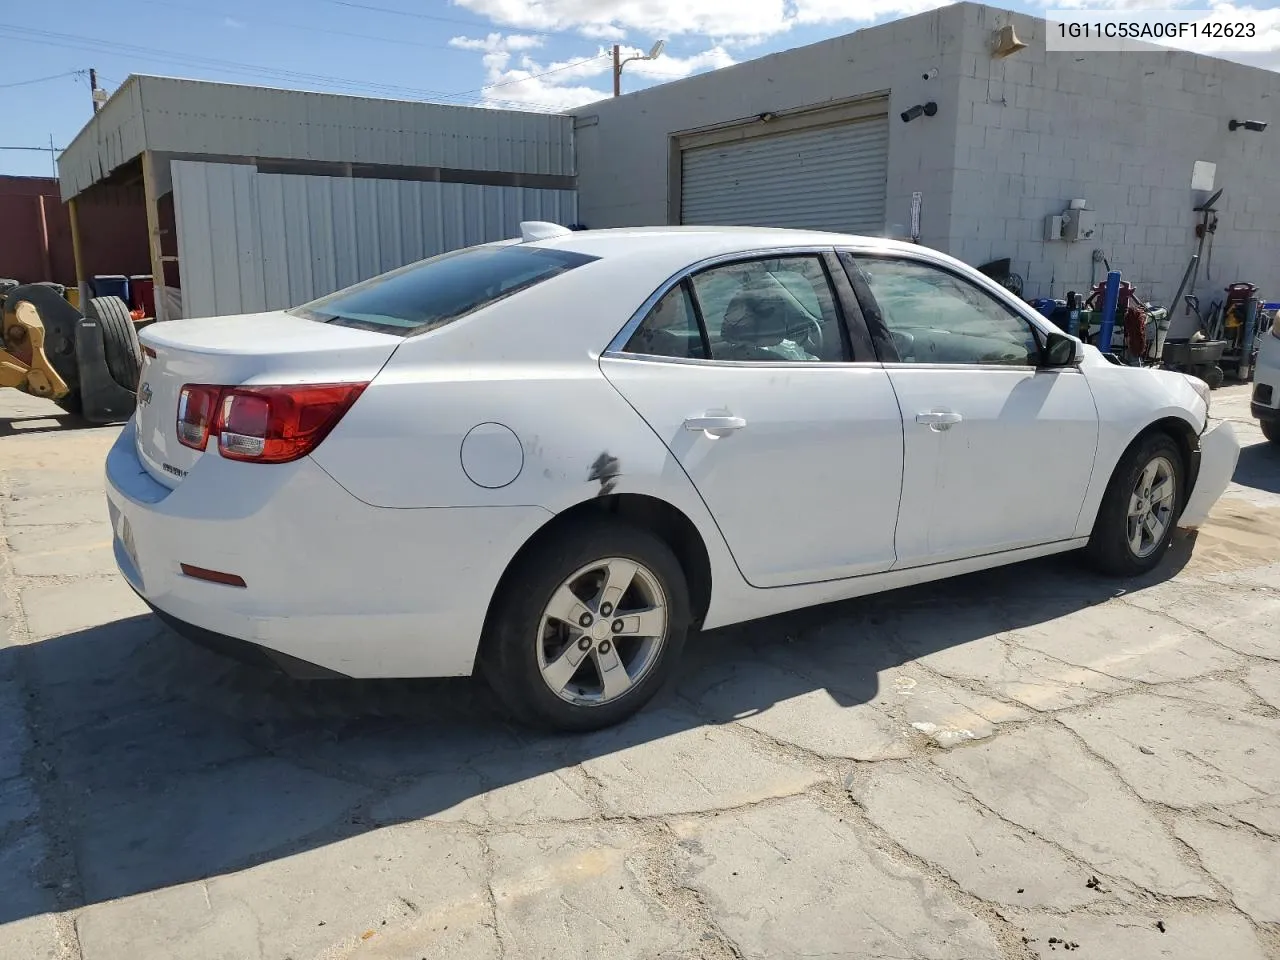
<point>606,470</point>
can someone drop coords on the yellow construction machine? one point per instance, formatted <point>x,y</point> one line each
<point>86,363</point>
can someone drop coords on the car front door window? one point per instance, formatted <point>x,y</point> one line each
<point>935,316</point>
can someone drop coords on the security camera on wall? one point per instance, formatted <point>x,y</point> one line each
<point>920,110</point>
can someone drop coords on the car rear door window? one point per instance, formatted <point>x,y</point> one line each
<point>779,308</point>
<point>670,329</point>
<point>935,316</point>
<point>425,295</point>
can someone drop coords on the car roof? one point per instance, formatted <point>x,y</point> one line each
<point>702,241</point>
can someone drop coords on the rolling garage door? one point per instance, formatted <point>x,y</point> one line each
<point>825,178</point>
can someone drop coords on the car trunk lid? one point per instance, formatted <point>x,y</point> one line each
<point>275,348</point>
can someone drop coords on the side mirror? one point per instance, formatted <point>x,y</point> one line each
<point>1061,350</point>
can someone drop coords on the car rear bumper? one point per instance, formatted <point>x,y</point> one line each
<point>1265,403</point>
<point>330,581</point>
<point>1219,451</point>
<point>242,650</point>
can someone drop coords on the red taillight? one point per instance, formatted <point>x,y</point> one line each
<point>197,409</point>
<point>263,424</point>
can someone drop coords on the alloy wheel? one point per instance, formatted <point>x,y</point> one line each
<point>602,631</point>
<point>1150,507</point>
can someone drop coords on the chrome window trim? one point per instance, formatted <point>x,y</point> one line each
<point>832,364</point>
<point>617,345</point>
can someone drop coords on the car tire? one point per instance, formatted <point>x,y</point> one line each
<point>119,339</point>
<point>1270,429</point>
<point>1123,543</point>
<point>524,641</point>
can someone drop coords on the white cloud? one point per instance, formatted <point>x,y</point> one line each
<point>233,23</point>
<point>868,11</point>
<point>726,18</point>
<point>564,84</point>
<point>1260,50</point>
<point>675,68</point>
<point>497,42</point>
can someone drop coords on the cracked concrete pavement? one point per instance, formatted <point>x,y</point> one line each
<point>1016,764</point>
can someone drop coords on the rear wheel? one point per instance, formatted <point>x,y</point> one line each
<point>119,339</point>
<point>1140,509</point>
<point>1271,430</point>
<point>587,627</point>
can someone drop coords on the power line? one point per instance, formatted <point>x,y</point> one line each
<point>56,76</point>
<point>468,23</point>
<point>39,149</point>
<point>72,41</point>
<point>545,73</point>
<point>221,15</point>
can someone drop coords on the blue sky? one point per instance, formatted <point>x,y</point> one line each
<point>534,54</point>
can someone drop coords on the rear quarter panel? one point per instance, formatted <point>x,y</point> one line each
<point>1130,399</point>
<point>400,445</point>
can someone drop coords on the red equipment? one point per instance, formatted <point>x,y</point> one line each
<point>1129,312</point>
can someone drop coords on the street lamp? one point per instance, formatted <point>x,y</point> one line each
<point>618,63</point>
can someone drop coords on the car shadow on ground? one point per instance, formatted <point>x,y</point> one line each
<point>157,763</point>
<point>1259,467</point>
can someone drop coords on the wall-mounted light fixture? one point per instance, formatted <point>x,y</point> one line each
<point>1257,126</point>
<point>1005,42</point>
<point>919,110</point>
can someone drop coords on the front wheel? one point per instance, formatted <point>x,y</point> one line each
<point>586,627</point>
<point>1270,430</point>
<point>1139,510</point>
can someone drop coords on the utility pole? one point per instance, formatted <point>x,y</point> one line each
<point>93,87</point>
<point>618,63</point>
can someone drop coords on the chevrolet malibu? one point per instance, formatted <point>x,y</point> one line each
<point>550,459</point>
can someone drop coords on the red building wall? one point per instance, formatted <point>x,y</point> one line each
<point>113,231</point>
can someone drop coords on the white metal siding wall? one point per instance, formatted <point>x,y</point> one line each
<point>829,178</point>
<point>250,241</point>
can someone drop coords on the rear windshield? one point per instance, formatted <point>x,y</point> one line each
<point>431,293</point>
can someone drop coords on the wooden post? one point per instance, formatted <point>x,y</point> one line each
<point>151,201</point>
<point>77,254</point>
<point>45,261</point>
<point>617,70</point>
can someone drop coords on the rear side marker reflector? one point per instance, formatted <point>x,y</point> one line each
<point>213,576</point>
<point>275,424</point>
<point>149,352</point>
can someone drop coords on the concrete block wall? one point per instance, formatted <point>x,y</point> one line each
<point>1122,131</point>
<point>623,144</point>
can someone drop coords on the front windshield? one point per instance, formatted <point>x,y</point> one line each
<point>425,295</point>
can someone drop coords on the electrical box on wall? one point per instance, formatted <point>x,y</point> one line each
<point>1053,227</point>
<point>1080,225</point>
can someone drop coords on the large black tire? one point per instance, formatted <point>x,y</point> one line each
<point>1271,430</point>
<point>70,403</point>
<point>119,339</point>
<point>1109,546</point>
<point>513,634</point>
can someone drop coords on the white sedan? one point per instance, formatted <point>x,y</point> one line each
<point>552,458</point>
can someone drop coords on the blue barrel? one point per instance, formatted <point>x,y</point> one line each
<point>1044,305</point>
<point>110,285</point>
